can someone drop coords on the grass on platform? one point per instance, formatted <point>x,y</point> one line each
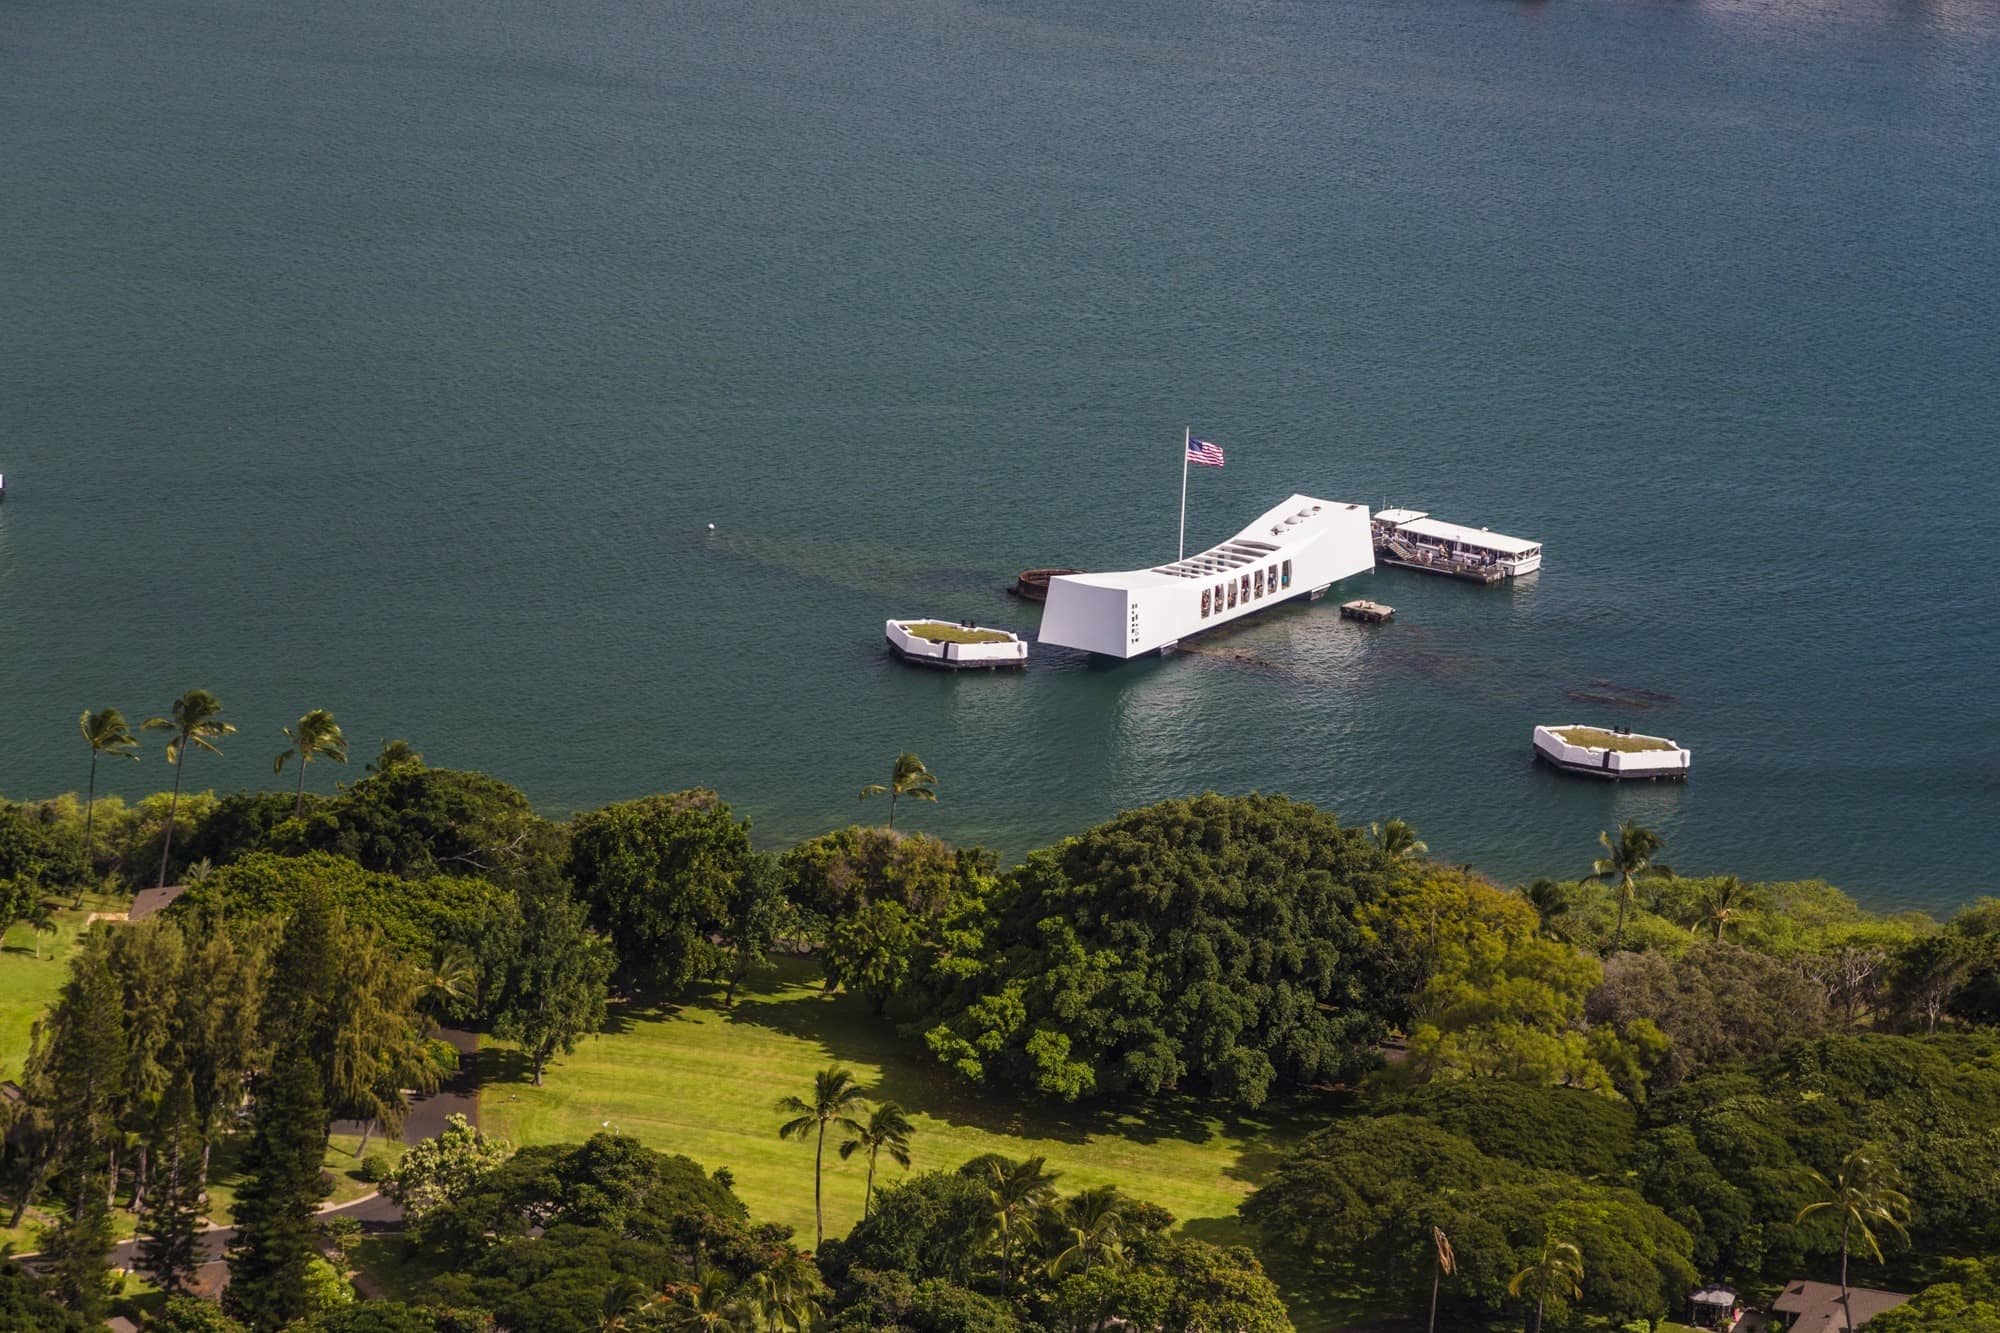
<point>702,1080</point>
<point>937,631</point>
<point>1596,738</point>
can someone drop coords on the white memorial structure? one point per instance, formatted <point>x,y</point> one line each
<point>1296,549</point>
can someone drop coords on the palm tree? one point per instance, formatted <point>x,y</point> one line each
<point>395,754</point>
<point>908,778</point>
<point>106,733</point>
<point>888,1130</point>
<point>196,721</point>
<point>787,1294</point>
<point>714,1306</point>
<point>1559,1270</point>
<point>1550,901</point>
<point>1015,1193</point>
<point>1446,1266</point>
<point>1864,1191</point>
<point>836,1101</point>
<point>1092,1223</point>
<point>315,736</point>
<point>41,921</point>
<point>1398,839</point>
<point>451,976</point>
<point>1626,861</point>
<point>625,1300</point>
<point>1722,900</point>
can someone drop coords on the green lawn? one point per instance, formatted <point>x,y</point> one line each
<point>28,985</point>
<point>1598,739</point>
<point>701,1080</point>
<point>938,631</point>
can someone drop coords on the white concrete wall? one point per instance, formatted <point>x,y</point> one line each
<point>1636,763</point>
<point>1086,616</point>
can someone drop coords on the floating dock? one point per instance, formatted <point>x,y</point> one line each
<point>1616,753</point>
<point>940,643</point>
<point>1414,540</point>
<point>1369,613</point>
<point>1298,548</point>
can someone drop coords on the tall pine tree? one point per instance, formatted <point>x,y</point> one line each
<point>86,1055</point>
<point>170,1224</point>
<point>276,1240</point>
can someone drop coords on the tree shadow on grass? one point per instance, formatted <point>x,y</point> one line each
<point>847,1029</point>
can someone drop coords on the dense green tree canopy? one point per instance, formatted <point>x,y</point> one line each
<point>418,822</point>
<point>37,846</point>
<point>417,916</point>
<point>1966,1300</point>
<point>1358,1200</point>
<point>659,875</point>
<point>1211,942</point>
<point>1564,1129</point>
<point>1716,1002</point>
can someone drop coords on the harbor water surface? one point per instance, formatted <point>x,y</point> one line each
<point>394,358</point>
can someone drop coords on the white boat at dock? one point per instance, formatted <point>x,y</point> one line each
<point>1295,549</point>
<point>1413,539</point>
<point>941,643</point>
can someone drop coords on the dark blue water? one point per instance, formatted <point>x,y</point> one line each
<point>392,357</point>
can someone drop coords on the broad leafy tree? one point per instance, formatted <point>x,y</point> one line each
<point>1215,943</point>
<point>444,1169</point>
<point>659,875</point>
<point>314,736</point>
<point>195,721</point>
<point>554,991</point>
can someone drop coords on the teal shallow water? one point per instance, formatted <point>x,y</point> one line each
<point>393,358</point>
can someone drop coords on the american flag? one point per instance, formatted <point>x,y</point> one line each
<point>1204,453</point>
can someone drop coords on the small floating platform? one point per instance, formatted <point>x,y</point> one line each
<point>1616,753</point>
<point>1033,584</point>
<point>955,646</point>
<point>1371,613</point>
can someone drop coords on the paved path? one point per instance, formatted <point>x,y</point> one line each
<point>459,1096</point>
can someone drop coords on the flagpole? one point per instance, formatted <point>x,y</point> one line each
<point>1187,443</point>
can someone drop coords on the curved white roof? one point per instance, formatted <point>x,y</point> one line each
<point>1291,524</point>
<point>1438,530</point>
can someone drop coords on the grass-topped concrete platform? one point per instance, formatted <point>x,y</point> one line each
<point>1596,738</point>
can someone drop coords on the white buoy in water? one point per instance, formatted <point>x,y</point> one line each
<point>711,527</point>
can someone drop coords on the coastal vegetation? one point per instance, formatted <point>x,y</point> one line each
<point>1217,1063</point>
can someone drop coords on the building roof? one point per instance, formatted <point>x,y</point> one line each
<point>150,902</point>
<point>1438,530</point>
<point>1285,525</point>
<point>1817,1305</point>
